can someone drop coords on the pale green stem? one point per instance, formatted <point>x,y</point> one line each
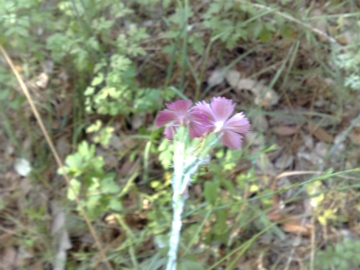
<point>185,165</point>
<point>178,201</point>
<point>178,206</point>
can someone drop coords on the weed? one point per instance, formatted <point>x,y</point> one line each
<point>343,256</point>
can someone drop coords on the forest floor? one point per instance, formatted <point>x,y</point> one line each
<point>289,199</point>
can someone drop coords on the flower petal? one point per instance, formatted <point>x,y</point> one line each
<point>164,117</point>
<point>222,108</point>
<point>169,132</point>
<point>231,139</point>
<point>180,106</point>
<point>206,110</point>
<point>198,124</point>
<point>238,123</point>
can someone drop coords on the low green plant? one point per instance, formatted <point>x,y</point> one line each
<point>343,255</point>
<point>97,188</point>
<point>349,62</point>
<point>80,37</point>
<point>113,90</point>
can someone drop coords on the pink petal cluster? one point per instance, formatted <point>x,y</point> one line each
<point>179,113</point>
<point>205,118</point>
<point>218,114</point>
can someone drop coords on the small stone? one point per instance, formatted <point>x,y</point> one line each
<point>309,142</point>
<point>22,166</point>
<point>246,84</point>
<point>321,149</point>
<point>137,120</point>
<point>115,142</point>
<point>233,77</point>
<point>42,80</point>
<point>48,66</point>
<point>260,122</point>
<point>217,77</point>
<point>265,166</point>
<point>354,136</point>
<point>255,138</point>
<point>284,161</point>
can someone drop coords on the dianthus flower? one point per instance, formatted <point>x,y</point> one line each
<point>218,113</point>
<point>179,113</point>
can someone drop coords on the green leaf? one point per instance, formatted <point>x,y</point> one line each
<point>115,204</point>
<point>4,94</point>
<point>94,127</point>
<point>76,186</point>
<point>75,163</point>
<point>146,99</point>
<point>108,184</point>
<point>166,153</point>
<point>265,35</point>
<point>229,186</point>
<point>286,30</point>
<point>98,79</point>
<point>190,265</point>
<point>85,150</point>
<point>89,91</point>
<point>220,227</point>
<point>210,193</point>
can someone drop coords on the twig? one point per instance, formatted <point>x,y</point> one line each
<point>56,156</point>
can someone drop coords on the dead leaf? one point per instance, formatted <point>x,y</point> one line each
<point>246,84</point>
<point>111,160</point>
<point>60,236</point>
<point>284,161</point>
<point>264,95</point>
<point>297,226</point>
<point>320,133</point>
<point>42,80</point>
<point>348,30</point>
<point>63,147</point>
<point>354,136</point>
<point>255,138</point>
<point>22,166</point>
<point>285,130</point>
<point>63,107</point>
<point>126,167</point>
<point>309,141</point>
<point>275,214</point>
<point>320,23</point>
<point>137,120</point>
<point>37,266</point>
<point>8,259</point>
<point>111,220</point>
<point>217,77</point>
<point>260,122</point>
<point>25,185</point>
<point>115,142</point>
<point>233,77</point>
<point>6,238</point>
<point>288,117</point>
<point>23,256</point>
<point>265,166</point>
<point>48,66</point>
<point>321,149</point>
<point>267,97</point>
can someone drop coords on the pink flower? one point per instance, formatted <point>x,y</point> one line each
<point>218,113</point>
<point>179,113</point>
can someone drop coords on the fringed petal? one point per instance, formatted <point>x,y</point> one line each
<point>231,139</point>
<point>238,123</point>
<point>222,108</point>
<point>180,106</point>
<point>165,117</point>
